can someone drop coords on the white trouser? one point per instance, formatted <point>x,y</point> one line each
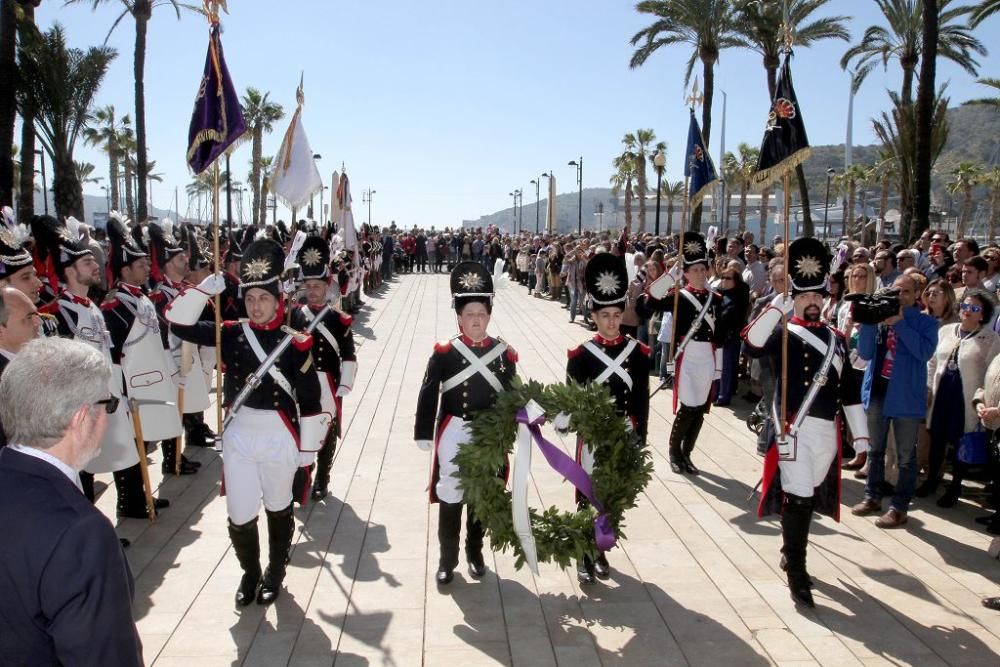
<point>695,372</point>
<point>455,434</point>
<point>259,461</point>
<point>815,449</point>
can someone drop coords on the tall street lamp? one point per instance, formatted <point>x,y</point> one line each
<point>600,216</point>
<point>659,162</point>
<point>826,206</point>
<point>547,175</point>
<point>579,182</point>
<point>515,194</point>
<point>45,188</point>
<point>366,198</point>
<point>536,183</point>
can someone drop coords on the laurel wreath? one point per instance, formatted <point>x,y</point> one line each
<point>622,468</point>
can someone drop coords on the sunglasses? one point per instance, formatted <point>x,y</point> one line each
<point>971,308</point>
<point>110,404</point>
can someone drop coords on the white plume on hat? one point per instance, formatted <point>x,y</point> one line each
<point>21,233</point>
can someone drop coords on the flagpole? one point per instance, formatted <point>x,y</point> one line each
<point>787,182</point>
<point>680,265</point>
<point>218,306</point>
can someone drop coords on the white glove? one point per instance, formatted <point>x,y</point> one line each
<point>306,459</point>
<point>342,391</point>
<point>782,303</point>
<point>670,367</point>
<point>425,445</point>
<point>718,364</point>
<point>561,422</point>
<point>860,445</point>
<point>213,284</point>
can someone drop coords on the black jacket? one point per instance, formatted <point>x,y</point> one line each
<point>583,367</point>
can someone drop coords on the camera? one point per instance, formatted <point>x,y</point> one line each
<point>874,308</point>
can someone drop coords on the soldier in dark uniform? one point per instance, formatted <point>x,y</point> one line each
<point>802,466</point>
<point>264,445</point>
<point>17,269</point>
<point>168,270</point>
<point>333,348</point>
<point>137,353</point>
<point>698,337</point>
<point>612,359</point>
<point>464,375</point>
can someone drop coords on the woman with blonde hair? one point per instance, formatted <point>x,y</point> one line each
<point>939,302</point>
<point>860,279</point>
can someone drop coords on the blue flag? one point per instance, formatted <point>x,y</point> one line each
<point>217,121</point>
<point>698,166</point>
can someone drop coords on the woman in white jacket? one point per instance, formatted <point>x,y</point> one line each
<point>954,374</point>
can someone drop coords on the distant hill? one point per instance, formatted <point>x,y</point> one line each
<point>974,135</point>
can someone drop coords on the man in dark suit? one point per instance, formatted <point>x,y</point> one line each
<point>65,583</point>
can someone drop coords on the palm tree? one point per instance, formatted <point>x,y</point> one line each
<point>622,179</point>
<point>26,177</point>
<point>900,39</point>
<point>671,191</point>
<point>991,179</point>
<point>761,26</point>
<point>965,176</point>
<point>8,102</point>
<point>742,167</point>
<point>896,131</point>
<point>886,171</point>
<point>60,84</point>
<point>707,27</point>
<point>988,101</point>
<point>639,144</point>
<point>103,133</point>
<point>848,181</point>
<point>983,11</point>
<point>261,114</point>
<point>127,146</point>
<point>85,173</point>
<point>930,45</point>
<point>142,12</point>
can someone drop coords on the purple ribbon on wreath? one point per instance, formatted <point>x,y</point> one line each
<point>573,472</point>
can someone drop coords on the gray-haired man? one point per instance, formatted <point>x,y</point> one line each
<point>65,583</point>
<point>19,323</point>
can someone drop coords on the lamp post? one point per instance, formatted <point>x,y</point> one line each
<point>536,182</point>
<point>107,199</point>
<point>659,162</point>
<point>826,206</point>
<point>579,182</point>
<point>366,198</point>
<point>515,194</point>
<point>547,175</point>
<point>600,216</point>
<point>45,188</point>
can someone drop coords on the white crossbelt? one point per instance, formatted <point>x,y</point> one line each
<point>830,358</point>
<point>273,371</point>
<point>476,365</point>
<point>702,316</point>
<point>816,343</point>
<point>612,366</point>
<point>307,312</point>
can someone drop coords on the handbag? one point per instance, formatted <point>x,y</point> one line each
<point>973,448</point>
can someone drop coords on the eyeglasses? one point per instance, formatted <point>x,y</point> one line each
<point>110,404</point>
<point>971,308</point>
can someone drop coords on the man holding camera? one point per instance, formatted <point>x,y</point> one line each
<point>894,393</point>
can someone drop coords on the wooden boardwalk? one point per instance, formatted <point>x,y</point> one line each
<point>696,583</point>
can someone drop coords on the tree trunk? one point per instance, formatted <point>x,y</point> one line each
<point>142,11</point>
<point>129,200</point>
<point>883,204</point>
<point>259,212</point>
<point>670,217</point>
<point>263,199</point>
<point>743,208</point>
<point>925,116</point>
<point>26,187</point>
<point>848,216</point>
<point>641,192</point>
<point>906,92</point>
<point>966,210</point>
<point>114,161</point>
<point>628,205</point>
<point>807,219</point>
<point>764,196</point>
<point>67,192</point>
<point>8,102</point>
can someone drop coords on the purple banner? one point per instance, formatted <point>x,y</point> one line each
<point>604,533</point>
<point>217,121</point>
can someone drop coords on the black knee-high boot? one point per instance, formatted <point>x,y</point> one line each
<point>449,528</point>
<point>691,437</point>
<point>678,434</point>
<point>324,462</point>
<point>169,462</point>
<point>280,528</point>
<point>795,518</point>
<point>474,544</point>
<point>131,496</point>
<point>246,544</point>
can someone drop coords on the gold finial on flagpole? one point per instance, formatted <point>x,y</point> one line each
<point>695,99</point>
<point>211,10</point>
<point>787,30</point>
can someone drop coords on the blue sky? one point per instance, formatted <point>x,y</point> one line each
<point>445,107</point>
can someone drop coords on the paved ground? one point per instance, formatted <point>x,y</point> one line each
<point>696,583</point>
